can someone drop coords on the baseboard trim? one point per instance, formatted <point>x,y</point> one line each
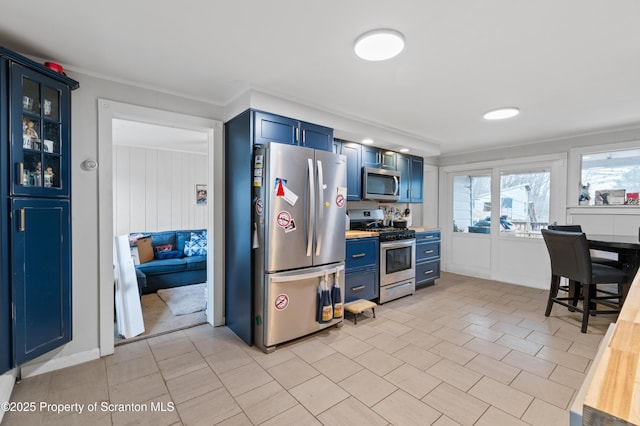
<point>37,368</point>
<point>7,380</point>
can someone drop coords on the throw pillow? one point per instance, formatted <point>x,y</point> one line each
<point>169,255</point>
<point>197,245</point>
<point>145,250</point>
<point>164,248</point>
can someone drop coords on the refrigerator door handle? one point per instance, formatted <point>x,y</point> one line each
<point>288,276</point>
<point>320,217</point>
<point>312,205</point>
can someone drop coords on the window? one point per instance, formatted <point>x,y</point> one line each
<point>472,204</point>
<point>610,177</point>
<point>524,203</point>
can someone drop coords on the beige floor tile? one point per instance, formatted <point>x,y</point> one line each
<point>392,327</point>
<point>494,369</point>
<point>424,325</point>
<point>292,372</point>
<point>213,345</point>
<point>387,343</point>
<point>181,365</point>
<point>351,412</point>
<point>99,418</point>
<point>454,374</point>
<point>86,375</point>
<point>445,421</point>
<point>541,413</point>
<point>575,362</point>
<point>558,343</point>
<point>272,359</point>
<point>223,361</point>
<point>311,350</point>
<point>487,348</point>
<point>583,350</point>
<point>208,409</point>
<point>378,361</point>
<point>511,329</point>
<point>360,331</point>
<point>453,321</point>
<point>125,371</point>
<point>398,316</point>
<point>572,332</point>
<point>34,388</point>
<point>417,357</point>
<point>367,387</point>
<point>479,319</point>
<point>501,396</point>
<point>521,345</point>
<point>568,377</point>
<point>453,336</point>
<point>412,380</point>
<point>151,415</point>
<point>165,338</point>
<point>421,339</point>
<point>546,390</point>
<point>128,352</point>
<point>400,409</point>
<point>172,349</point>
<point>239,419</point>
<point>318,394</point>
<point>139,390</point>
<point>245,378</point>
<point>529,363</point>
<point>337,367</point>
<point>456,404</point>
<point>265,402</point>
<point>453,352</point>
<point>295,416</point>
<point>502,317</point>
<point>546,327</point>
<point>483,331</point>
<point>495,417</point>
<point>193,384</point>
<point>351,346</point>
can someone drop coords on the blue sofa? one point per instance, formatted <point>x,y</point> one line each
<point>176,269</point>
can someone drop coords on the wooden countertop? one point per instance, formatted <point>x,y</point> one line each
<point>614,392</point>
<point>423,228</point>
<point>351,234</point>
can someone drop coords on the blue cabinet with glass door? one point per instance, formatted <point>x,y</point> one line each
<point>35,112</point>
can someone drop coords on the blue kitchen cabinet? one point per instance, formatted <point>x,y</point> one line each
<point>411,178</point>
<point>354,170</point>
<point>427,257</point>
<point>275,128</point>
<point>41,274</point>
<point>378,158</point>
<point>35,234</point>
<point>361,269</point>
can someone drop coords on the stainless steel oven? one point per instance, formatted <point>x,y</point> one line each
<point>397,268</point>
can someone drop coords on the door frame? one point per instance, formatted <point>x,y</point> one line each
<point>107,111</point>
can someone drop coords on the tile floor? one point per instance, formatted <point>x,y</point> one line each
<point>466,351</point>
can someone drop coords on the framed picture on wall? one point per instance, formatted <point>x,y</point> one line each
<point>201,194</point>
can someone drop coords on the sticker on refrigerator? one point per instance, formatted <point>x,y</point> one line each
<point>340,200</point>
<point>259,206</point>
<point>283,191</point>
<point>281,302</point>
<point>283,219</point>
<point>290,227</point>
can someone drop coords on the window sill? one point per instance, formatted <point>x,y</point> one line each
<point>606,210</point>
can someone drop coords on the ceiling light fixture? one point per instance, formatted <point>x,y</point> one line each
<point>501,113</point>
<point>379,45</point>
<point>404,149</point>
<point>367,141</point>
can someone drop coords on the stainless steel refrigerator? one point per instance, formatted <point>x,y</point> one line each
<point>299,201</point>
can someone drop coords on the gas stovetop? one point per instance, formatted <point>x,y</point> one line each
<point>390,233</point>
<point>371,221</point>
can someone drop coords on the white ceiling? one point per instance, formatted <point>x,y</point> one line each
<point>572,66</point>
<point>147,135</point>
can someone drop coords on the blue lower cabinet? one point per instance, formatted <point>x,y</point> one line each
<point>361,285</point>
<point>361,269</point>
<point>41,276</point>
<point>427,257</point>
<point>427,272</point>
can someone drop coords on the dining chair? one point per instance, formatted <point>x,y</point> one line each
<point>570,258</point>
<point>595,259</point>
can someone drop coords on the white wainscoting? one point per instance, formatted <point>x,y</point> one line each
<point>154,190</point>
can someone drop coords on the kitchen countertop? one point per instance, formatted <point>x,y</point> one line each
<point>424,228</point>
<point>351,234</point>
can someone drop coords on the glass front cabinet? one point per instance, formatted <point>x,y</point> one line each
<point>39,134</point>
<point>35,196</point>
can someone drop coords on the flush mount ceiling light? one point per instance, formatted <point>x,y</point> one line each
<point>367,141</point>
<point>404,149</point>
<point>379,45</point>
<point>501,113</point>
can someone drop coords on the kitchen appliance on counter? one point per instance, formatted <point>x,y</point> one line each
<point>380,184</point>
<point>299,200</point>
<point>397,253</point>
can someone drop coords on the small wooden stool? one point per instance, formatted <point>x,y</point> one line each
<point>359,306</point>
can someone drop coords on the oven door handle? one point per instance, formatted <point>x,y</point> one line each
<point>398,244</point>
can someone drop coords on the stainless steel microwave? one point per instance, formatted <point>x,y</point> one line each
<point>380,184</point>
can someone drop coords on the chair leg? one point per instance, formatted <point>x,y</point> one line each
<point>575,290</point>
<point>586,291</point>
<point>553,292</point>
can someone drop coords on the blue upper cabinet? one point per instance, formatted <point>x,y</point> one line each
<point>378,158</point>
<point>40,134</point>
<point>275,128</point>
<point>353,153</point>
<point>411,178</point>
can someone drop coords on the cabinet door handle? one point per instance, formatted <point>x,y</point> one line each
<point>21,225</point>
<point>20,173</point>
<point>428,237</point>
<point>298,135</point>
<point>428,252</point>
<point>430,271</point>
<point>353,256</point>
<point>354,289</point>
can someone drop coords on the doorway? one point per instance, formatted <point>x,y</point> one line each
<point>108,111</point>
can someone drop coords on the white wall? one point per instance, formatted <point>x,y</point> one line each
<point>154,190</point>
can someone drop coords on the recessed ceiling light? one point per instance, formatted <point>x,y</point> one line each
<point>367,141</point>
<point>404,149</point>
<point>501,113</point>
<point>379,45</point>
